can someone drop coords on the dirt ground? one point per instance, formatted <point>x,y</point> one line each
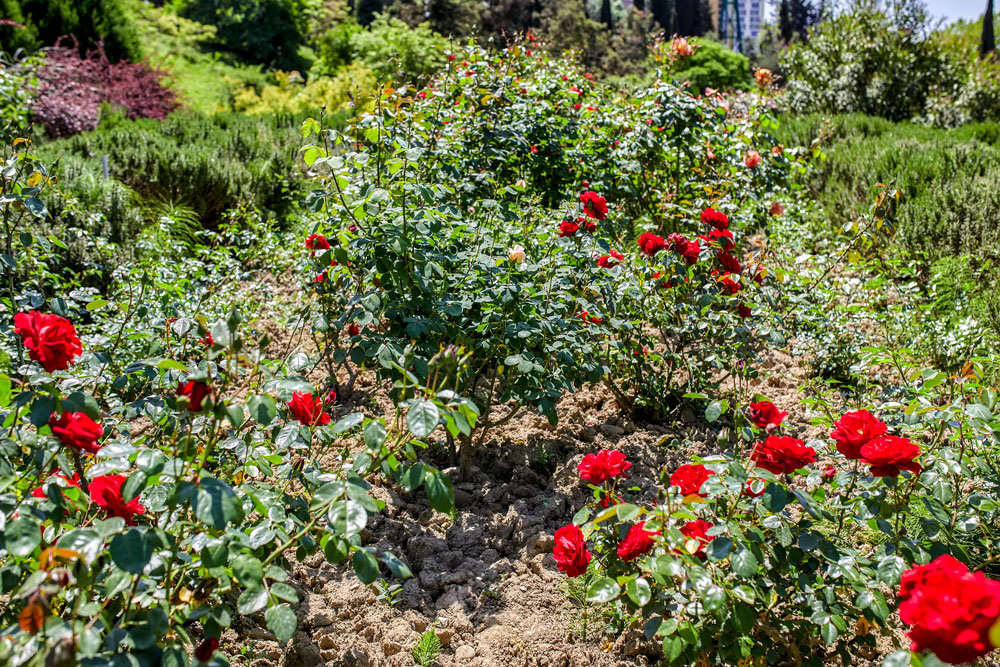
<point>487,583</point>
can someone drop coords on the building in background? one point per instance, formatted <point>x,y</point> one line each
<point>739,22</point>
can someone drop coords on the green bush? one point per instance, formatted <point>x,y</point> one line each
<point>879,62</point>
<point>210,163</point>
<point>260,31</point>
<point>90,21</point>
<point>712,65</point>
<point>948,178</point>
<point>395,51</point>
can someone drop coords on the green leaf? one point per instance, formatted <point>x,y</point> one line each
<point>96,303</point>
<point>281,621</point>
<point>639,591</point>
<point>398,568</point>
<point>248,571</point>
<point>251,601</point>
<point>744,563</point>
<point>262,409</point>
<point>897,659</point>
<point>21,537</point>
<point>440,491</point>
<point>132,550</point>
<point>890,569</point>
<point>713,411</point>
<point>134,485</point>
<point>719,548</point>
<point>603,589</point>
<point>626,511</point>
<point>216,503</point>
<point>365,566</point>
<point>284,591</point>
<point>775,498</point>
<point>348,422</point>
<point>422,418</point>
<point>336,549</point>
<point>374,434</point>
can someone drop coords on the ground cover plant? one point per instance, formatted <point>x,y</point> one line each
<point>498,363</point>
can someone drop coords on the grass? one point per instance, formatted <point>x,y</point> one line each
<point>204,76</point>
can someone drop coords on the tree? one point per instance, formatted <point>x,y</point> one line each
<point>365,10</point>
<point>89,21</point>
<point>785,27</point>
<point>988,44</point>
<point>804,15</point>
<point>606,14</point>
<point>665,13</point>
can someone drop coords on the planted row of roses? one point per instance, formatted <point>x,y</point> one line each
<point>148,545</point>
<point>788,561</point>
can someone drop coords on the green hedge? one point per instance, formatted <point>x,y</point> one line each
<point>950,179</point>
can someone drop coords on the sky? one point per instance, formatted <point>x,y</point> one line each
<point>956,9</point>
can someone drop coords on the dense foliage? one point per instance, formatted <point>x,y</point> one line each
<point>36,23</point>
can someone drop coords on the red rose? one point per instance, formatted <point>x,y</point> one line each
<point>722,238</point>
<point>855,429</point>
<point>728,262</point>
<point>610,500</point>
<point>765,414</point>
<point>744,310</point>
<point>829,473</point>
<point>594,205</point>
<point>951,609</point>
<point>888,455</point>
<point>106,492</point>
<point>207,341</point>
<point>730,286</point>
<point>698,530</point>
<point>317,242</point>
<point>78,431</point>
<point>751,159</point>
<point>609,260</point>
<point>353,330</point>
<point>308,410</point>
<point>39,492</point>
<point>602,466</point>
<point>717,219</point>
<point>651,243</point>
<point>691,251</point>
<point>534,148</point>
<point>196,392</point>
<point>50,339</point>
<point>690,477</point>
<point>570,551</point>
<point>782,454</point>
<point>206,649</point>
<point>567,228</point>
<point>637,542</point>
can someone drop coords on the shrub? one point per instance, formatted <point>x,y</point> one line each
<point>394,51</point>
<point>784,558</point>
<point>353,86</point>
<point>713,65</point>
<point>949,204</point>
<point>259,31</point>
<point>93,23</point>
<point>72,88</point>
<point>881,62</point>
<point>179,159</point>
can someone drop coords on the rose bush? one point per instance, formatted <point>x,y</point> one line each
<point>790,561</point>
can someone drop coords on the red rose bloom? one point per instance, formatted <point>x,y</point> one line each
<point>888,455</point>
<point>691,251</point>
<point>829,473</point>
<point>782,454</point>
<point>78,431</point>
<point>106,492</point>
<point>951,609</point>
<point>567,228</point>
<point>698,530</point>
<point>50,339</point>
<point>39,492</point>
<point>206,649</point>
<point>744,310</point>
<point>308,410</point>
<point>854,430</point>
<point>570,551</point>
<point>602,466</point>
<point>609,260</point>
<point>730,286</point>
<point>317,242</point>
<point>353,329</point>
<point>751,159</point>
<point>690,477</point>
<point>717,219</point>
<point>765,414</point>
<point>638,542</point>
<point>196,392</point>
<point>720,237</point>
<point>728,262</point>
<point>594,205</point>
<point>610,500</point>
<point>651,243</point>
<point>534,148</point>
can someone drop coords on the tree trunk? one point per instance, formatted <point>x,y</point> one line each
<point>988,44</point>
